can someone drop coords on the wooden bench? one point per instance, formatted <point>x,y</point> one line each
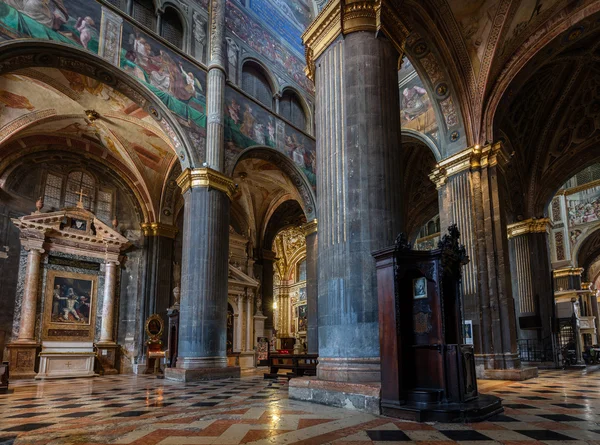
<point>299,365</point>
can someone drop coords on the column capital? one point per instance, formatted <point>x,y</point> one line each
<point>567,272</point>
<point>33,245</point>
<point>470,158</point>
<point>310,227</point>
<point>531,225</point>
<point>206,177</point>
<point>342,17</point>
<point>159,229</point>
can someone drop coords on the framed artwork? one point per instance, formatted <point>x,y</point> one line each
<point>69,306</point>
<point>419,288</point>
<point>468,332</point>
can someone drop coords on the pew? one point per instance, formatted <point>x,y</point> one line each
<point>299,365</point>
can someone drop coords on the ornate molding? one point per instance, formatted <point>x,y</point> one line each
<point>310,227</point>
<point>568,272</point>
<point>342,17</point>
<point>532,225</point>
<point>472,158</point>
<point>206,177</point>
<point>159,229</point>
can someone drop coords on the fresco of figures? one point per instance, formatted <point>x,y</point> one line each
<point>584,206</point>
<point>179,84</point>
<point>74,22</point>
<point>248,124</point>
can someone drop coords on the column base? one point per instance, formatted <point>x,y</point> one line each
<point>22,359</point>
<point>352,370</point>
<point>107,357</point>
<point>516,374</point>
<point>364,397</point>
<point>195,375</point>
<point>201,362</point>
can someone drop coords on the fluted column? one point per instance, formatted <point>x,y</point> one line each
<point>249,323</point>
<point>216,87</point>
<point>239,321</point>
<point>471,196</point>
<point>532,277</point>
<point>312,334</point>
<point>359,208</point>
<point>108,303</point>
<point>30,292</point>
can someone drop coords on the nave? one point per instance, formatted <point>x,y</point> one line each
<point>557,407</point>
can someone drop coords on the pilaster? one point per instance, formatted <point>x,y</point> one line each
<point>312,334</point>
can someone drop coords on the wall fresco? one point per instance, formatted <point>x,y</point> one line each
<point>248,124</point>
<point>584,207</point>
<point>283,23</point>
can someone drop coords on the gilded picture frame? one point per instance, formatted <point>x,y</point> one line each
<point>69,306</point>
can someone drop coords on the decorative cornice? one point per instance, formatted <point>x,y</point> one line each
<point>206,177</point>
<point>342,17</point>
<point>310,227</point>
<point>159,229</point>
<point>568,272</point>
<point>532,225</point>
<point>472,158</point>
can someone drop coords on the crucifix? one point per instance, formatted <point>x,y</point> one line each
<point>68,364</point>
<point>81,195</point>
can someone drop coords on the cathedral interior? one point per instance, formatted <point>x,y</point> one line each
<point>299,221</point>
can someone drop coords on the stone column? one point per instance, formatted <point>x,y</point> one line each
<point>267,260</point>
<point>532,278</point>
<point>312,333</point>
<point>249,323</point>
<point>30,293</point>
<point>471,196</point>
<point>239,324</point>
<point>358,148</point>
<point>596,314</point>
<point>23,351</point>
<point>108,303</point>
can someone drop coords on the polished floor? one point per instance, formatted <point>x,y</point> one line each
<point>557,407</point>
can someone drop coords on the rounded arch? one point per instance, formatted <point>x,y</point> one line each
<point>587,248</point>
<point>409,135</point>
<point>289,213</point>
<point>298,178</point>
<point>522,56</point>
<point>33,53</point>
<point>262,68</point>
<point>164,9</point>
<point>308,114</point>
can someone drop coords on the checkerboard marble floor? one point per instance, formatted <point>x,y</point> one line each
<point>557,407</point>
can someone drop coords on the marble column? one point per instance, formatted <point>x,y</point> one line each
<point>30,293</point>
<point>532,283</point>
<point>267,260</point>
<point>108,303</point>
<point>471,196</point>
<point>596,314</point>
<point>239,320</point>
<point>359,208</point>
<point>249,344</point>
<point>312,333</point>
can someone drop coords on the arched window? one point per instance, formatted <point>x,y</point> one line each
<point>290,108</point>
<point>80,182</point>
<point>256,84</point>
<point>121,4</point>
<point>172,28</point>
<point>144,12</point>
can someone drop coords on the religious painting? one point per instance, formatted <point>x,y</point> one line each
<point>79,224</point>
<point>302,318</point>
<point>302,294</point>
<point>178,84</point>
<point>583,207</point>
<point>419,288</point>
<point>416,108</point>
<point>69,306</point>
<point>68,21</point>
<point>248,124</point>
<point>468,332</point>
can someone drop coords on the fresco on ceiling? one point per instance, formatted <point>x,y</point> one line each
<point>178,84</point>
<point>416,108</point>
<point>475,18</point>
<point>265,44</point>
<point>248,124</point>
<point>584,207</point>
<point>67,21</point>
<point>287,19</point>
<point>527,14</point>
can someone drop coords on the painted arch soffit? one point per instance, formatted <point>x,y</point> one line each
<point>19,55</point>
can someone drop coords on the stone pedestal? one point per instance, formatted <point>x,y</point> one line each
<point>107,357</point>
<point>60,359</point>
<point>22,359</point>
<point>194,375</point>
<point>516,374</point>
<point>259,325</point>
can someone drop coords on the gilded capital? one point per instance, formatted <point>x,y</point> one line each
<point>471,158</point>
<point>206,177</point>
<point>532,225</point>
<point>567,272</point>
<point>342,17</point>
<point>159,229</point>
<point>310,227</point>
